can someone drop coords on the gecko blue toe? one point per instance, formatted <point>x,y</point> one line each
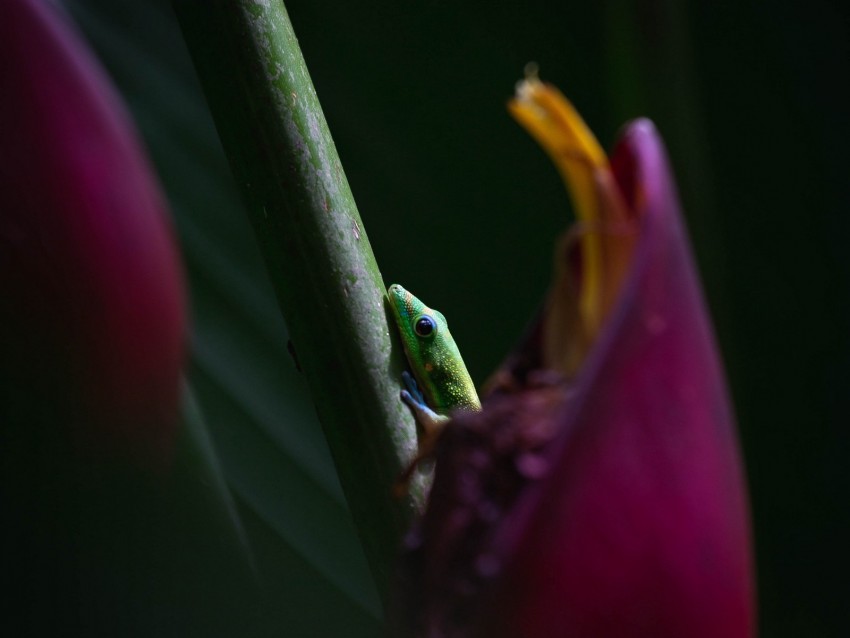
<point>409,401</point>
<point>413,398</point>
<point>414,394</point>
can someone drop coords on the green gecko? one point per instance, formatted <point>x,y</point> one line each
<point>435,361</point>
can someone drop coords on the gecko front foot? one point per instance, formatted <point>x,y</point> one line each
<point>430,422</point>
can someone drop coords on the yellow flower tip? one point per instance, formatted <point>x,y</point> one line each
<point>531,70</point>
<point>552,120</point>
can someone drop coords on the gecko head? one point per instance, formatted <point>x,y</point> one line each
<point>418,324</point>
<point>428,344</point>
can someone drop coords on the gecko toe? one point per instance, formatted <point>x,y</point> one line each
<point>412,388</point>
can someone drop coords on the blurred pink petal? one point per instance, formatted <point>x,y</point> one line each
<point>642,527</point>
<point>612,506</point>
<point>92,309</point>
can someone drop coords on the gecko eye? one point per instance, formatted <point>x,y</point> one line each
<point>424,326</point>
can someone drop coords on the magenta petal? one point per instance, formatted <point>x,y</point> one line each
<point>642,527</point>
<point>92,303</point>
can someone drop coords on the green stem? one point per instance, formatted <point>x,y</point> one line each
<point>321,264</point>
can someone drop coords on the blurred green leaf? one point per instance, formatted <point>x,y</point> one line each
<point>262,427</point>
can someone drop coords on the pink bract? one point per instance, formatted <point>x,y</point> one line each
<point>641,528</point>
<point>93,308</point>
<point>608,505</point>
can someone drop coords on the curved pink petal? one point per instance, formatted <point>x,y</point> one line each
<point>92,303</point>
<point>641,528</point>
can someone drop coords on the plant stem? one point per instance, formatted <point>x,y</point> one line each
<point>321,264</point>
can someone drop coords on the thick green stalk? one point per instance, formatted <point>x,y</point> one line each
<point>315,246</point>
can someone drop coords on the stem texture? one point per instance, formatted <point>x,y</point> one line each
<point>321,264</point>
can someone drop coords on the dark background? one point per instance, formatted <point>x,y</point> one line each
<point>462,208</point>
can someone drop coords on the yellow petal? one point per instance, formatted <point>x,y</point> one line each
<point>601,215</point>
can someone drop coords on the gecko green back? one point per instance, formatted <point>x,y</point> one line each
<point>432,353</point>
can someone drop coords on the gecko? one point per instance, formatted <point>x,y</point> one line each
<point>440,383</point>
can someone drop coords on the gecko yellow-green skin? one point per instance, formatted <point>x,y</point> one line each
<point>434,359</point>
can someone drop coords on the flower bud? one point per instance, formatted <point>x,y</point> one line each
<point>92,305</point>
<point>604,497</point>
